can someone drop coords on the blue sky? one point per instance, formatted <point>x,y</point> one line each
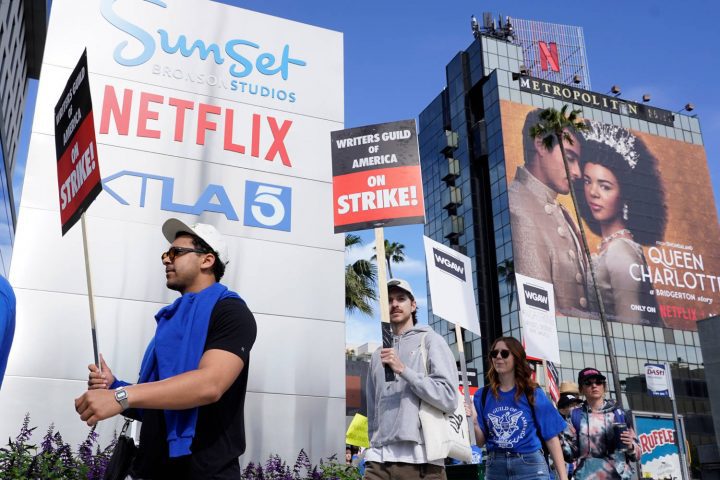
<point>396,52</point>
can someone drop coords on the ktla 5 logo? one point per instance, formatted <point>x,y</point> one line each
<point>266,205</point>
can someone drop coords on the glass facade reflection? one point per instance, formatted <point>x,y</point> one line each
<point>22,40</point>
<point>7,230</point>
<point>468,110</point>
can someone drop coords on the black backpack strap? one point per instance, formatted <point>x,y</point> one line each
<point>483,399</point>
<point>537,426</point>
<point>532,410</point>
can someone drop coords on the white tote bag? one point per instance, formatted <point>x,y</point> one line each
<point>446,435</point>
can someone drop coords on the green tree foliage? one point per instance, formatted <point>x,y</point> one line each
<point>360,281</point>
<point>394,253</point>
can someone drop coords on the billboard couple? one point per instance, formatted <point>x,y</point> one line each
<point>620,198</point>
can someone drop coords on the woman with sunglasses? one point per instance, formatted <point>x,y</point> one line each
<point>598,434</point>
<point>514,417</point>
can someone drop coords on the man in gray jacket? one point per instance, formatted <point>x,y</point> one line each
<point>397,448</point>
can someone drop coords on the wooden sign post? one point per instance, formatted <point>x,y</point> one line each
<point>78,168</point>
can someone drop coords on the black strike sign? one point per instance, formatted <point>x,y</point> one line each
<point>78,169</point>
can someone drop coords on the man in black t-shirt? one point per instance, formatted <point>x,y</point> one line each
<point>191,393</point>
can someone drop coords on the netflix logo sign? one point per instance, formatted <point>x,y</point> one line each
<point>549,59</point>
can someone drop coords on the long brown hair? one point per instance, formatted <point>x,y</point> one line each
<point>524,383</point>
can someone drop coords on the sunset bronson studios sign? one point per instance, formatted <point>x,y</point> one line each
<point>204,112</point>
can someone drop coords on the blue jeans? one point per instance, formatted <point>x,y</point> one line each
<point>516,466</point>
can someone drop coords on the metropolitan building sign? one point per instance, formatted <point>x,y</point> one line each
<point>596,100</point>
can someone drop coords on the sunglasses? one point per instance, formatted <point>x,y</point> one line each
<point>598,383</point>
<point>178,251</point>
<point>503,353</point>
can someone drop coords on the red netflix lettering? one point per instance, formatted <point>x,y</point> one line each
<point>671,311</point>
<point>204,123</point>
<point>227,141</point>
<point>111,108</point>
<point>180,107</point>
<point>255,147</point>
<point>278,145</point>
<point>267,134</point>
<point>144,115</point>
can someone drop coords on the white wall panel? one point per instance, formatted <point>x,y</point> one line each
<point>309,372</point>
<point>292,279</point>
<point>275,278</point>
<point>282,424</point>
<point>58,327</point>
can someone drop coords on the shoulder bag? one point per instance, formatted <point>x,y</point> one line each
<point>445,435</point>
<point>122,457</point>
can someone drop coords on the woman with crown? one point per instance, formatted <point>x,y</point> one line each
<point>624,203</point>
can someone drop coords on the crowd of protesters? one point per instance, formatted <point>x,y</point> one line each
<point>584,436</point>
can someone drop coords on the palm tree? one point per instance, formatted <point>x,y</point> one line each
<point>394,252</point>
<point>506,269</point>
<point>360,278</point>
<point>557,126</point>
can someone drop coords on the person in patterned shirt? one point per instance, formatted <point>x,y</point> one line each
<point>598,434</point>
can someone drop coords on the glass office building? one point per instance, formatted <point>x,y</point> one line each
<point>472,148</point>
<point>23,24</point>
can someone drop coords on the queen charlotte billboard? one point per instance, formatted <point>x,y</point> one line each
<point>646,204</point>
<point>204,112</point>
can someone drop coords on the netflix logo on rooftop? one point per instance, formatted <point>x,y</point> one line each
<point>549,59</point>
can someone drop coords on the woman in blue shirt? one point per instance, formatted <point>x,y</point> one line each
<point>513,413</point>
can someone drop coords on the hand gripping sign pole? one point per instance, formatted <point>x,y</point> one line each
<point>466,383</point>
<point>78,169</point>
<point>387,334</point>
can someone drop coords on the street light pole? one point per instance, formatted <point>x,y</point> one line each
<point>679,437</point>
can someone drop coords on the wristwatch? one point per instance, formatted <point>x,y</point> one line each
<point>122,398</point>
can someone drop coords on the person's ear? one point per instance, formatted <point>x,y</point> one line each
<point>209,260</point>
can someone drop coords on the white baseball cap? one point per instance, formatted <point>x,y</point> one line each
<point>206,232</point>
<point>402,284</point>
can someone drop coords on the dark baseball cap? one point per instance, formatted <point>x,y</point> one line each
<point>567,399</point>
<point>588,373</point>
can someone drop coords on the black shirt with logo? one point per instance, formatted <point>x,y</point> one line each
<point>220,429</point>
